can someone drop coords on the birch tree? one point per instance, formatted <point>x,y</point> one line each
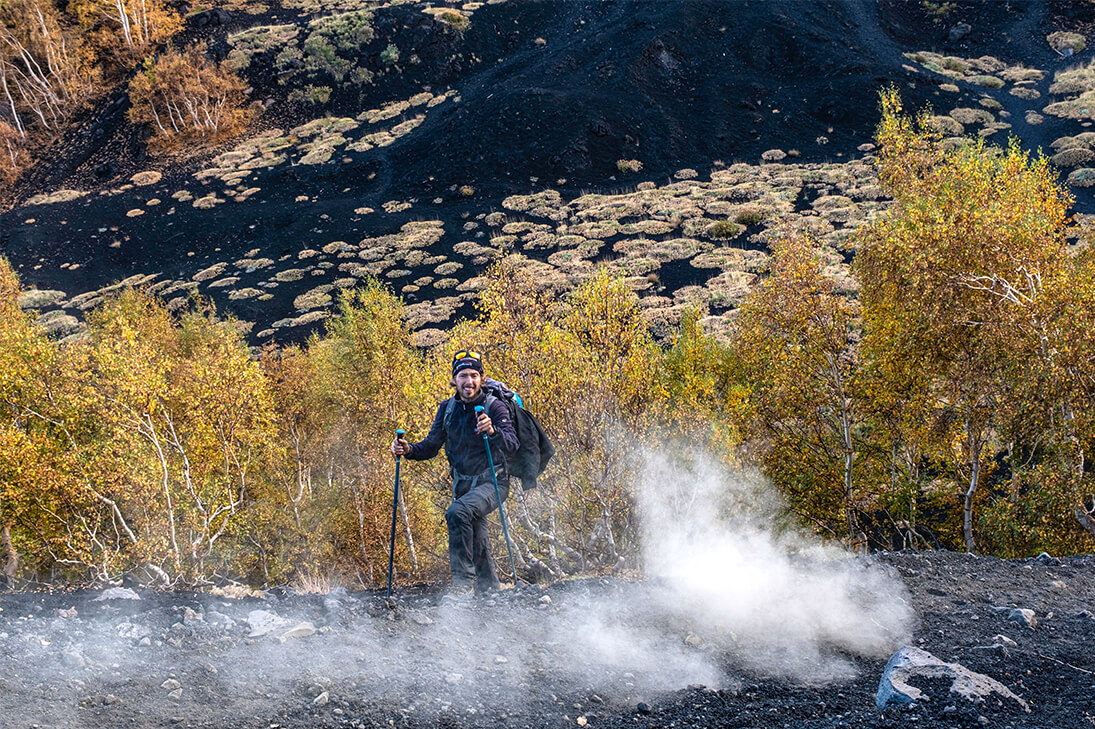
<point>47,73</point>
<point>127,29</point>
<point>795,340</point>
<point>186,97</point>
<point>965,221</point>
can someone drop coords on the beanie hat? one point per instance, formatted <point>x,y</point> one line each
<point>467,360</point>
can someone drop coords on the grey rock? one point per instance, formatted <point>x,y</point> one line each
<point>421,618</point>
<point>692,640</point>
<point>191,616</point>
<point>263,622</point>
<point>131,631</point>
<point>909,663</point>
<point>1048,560</point>
<point>73,658</point>
<point>171,684</point>
<point>1023,616</point>
<point>322,699</point>
<point>117,593</point>
<point>454,678</point>
<point>1004,641</point>
<point>959,32</point>
<point>219,620</point>
<point>301,630</point>
<point>997,649</point>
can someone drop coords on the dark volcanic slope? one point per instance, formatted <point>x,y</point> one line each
<point>535,95</point>
<point>673,84</point>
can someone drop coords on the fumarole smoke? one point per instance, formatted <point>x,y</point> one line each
<point>778,601</point>
<point>726,596</point>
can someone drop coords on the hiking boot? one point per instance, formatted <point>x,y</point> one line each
<point>487,589</point>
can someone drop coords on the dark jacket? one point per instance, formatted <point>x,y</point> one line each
<point>463,446</point>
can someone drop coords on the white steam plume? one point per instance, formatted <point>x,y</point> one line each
<point>779,601</point>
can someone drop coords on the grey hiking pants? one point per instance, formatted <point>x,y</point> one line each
<point>470,560</point>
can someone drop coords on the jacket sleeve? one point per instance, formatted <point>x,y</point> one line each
<point>429,446</point>
<point>505,432</point>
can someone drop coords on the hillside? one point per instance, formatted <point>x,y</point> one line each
<point>576,133</point>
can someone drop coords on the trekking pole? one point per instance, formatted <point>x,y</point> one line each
<point>395,510</point>
<point>498,495</point>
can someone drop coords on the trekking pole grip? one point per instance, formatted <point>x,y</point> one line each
<point>479,409</point>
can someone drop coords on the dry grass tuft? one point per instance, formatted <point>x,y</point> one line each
<point>1063,41</point>
<point>60,196</point>
<point>1073,157</point>
<point>148,177</point>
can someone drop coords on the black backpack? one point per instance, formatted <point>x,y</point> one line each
<point>536,449</point>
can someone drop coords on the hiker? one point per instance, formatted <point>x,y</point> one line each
<point>473,491</point>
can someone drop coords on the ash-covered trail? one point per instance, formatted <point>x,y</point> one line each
<point>732,625</point>
<point>592,652</point>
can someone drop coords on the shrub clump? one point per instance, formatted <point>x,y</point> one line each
<point>456,19</point>
<point>1083,177</point>
<point>344,33</point>
<point>310,95</point>
<point>967,115</point>
<point>1025,93</point>
<point>148,177</point>
<point>948,125</point>
<point>750,215</point>
<point>1063,41</point>
<point>725,229</point>
<point>1073,157</point>
<point>991,82</point>
<point>390,55</point>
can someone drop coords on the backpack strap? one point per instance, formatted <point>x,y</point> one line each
<point>449,409</point>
